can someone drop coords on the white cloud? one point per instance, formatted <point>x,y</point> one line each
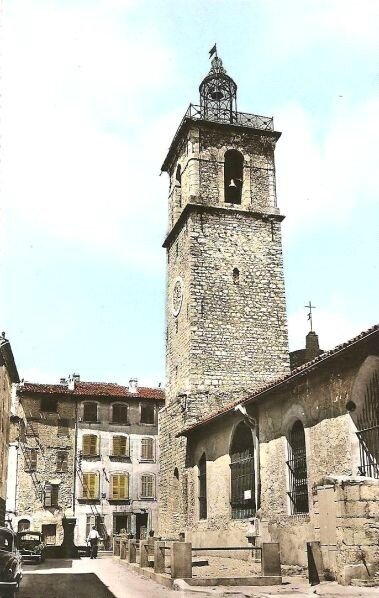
<point>77,87</point>
<point>330,175</point>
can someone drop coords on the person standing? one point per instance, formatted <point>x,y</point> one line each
<point>92,540</point>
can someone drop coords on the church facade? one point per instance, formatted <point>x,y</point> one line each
<point>241,436</point>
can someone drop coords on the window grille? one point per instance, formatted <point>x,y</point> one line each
<point>91,486</point>
<point>147,486</point>
<point>203,487</point>
<point>147,413</point>
<point>90,412</point>
<point>147,449</point>
<point>119,414</point>
<point>297,470</point>
<point>62,461</point>
<point>63,427</point>
<point>90,445</point>
<point>119,486</point>
<point>31,458</point>
<point>242,473</point>
<point>120,446</point>
<point>51,495</point>
<point>368,430</point>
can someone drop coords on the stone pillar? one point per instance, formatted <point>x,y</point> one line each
<point>271,559</point>
<point>144,553</point>
<point>181,560</point>
<point>159,557</point>
<point>68,548</point>
<point>132,551</point>
<point>116,546</point>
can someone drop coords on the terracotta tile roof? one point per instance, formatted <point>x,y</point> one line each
<point>91,389</point>
<point>301,370</point>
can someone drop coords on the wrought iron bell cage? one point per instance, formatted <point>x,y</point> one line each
<point>218,95</point>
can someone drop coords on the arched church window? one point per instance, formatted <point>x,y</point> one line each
<point>203,487</point>
<point>368,429</point>
<point>233,176</point>
<point>178,175</point>
<point>242,473</point>
<point>297,469</point>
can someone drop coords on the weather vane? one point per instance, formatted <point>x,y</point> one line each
<point>309,315</point>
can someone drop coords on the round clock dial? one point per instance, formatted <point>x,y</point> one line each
<point>177,296</point>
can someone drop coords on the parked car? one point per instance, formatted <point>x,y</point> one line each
<point>31,546</point>
<point>10,564</point>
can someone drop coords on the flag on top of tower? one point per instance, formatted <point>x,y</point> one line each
<point>213,51</point>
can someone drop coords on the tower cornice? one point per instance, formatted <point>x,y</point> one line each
<point>251,124</point>
<point>194,207</point>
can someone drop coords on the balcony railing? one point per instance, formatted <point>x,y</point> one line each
<point>222,115</point>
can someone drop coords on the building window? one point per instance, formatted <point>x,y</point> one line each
<point>147,413</point>
<point>203,487</point>
<point>49,404</point>
<point>119,486</point>
<point>63,427</point>
<point>50,533</point>
<point>147,486</point>
<point>62,461</point>
<point>30,459</point>
<point>368,429</point>
<point>236,276</point>
<point>90,445</point>
<point>233,176</point>
<point>90,412</point>
<point>51,495</point>
<point>297,469</point>
<point>31,428</point>
<point>120,446</point>
<point>119,413</point>
<point>178,175</point>
<point>90,486</point>
<point>147,449</point>
<point>242,473</point>
<point>23,525</point>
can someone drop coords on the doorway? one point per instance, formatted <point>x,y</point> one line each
<point>141,526</point>
<point>120,522</point>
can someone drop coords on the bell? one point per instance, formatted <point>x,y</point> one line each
<point>232,183</point>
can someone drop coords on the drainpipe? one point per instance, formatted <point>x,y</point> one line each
<point>75,457</point>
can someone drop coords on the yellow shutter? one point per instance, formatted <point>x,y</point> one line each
<point>93,445</point>
<point>90,485</point>
<point>115,486</point>
<point>86,444</point>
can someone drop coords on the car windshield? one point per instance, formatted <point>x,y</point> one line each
<point>6,540</point>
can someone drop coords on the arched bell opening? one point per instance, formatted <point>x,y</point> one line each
<point>233,176</point>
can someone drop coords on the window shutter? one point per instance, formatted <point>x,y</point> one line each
<point>54,495</point>
<point>93,445</point>
<point>90,444</point>
<point>90,486</point>
<point>86,444</point>
<point>48,501</point>
<point>115,487</point>
<point>122,486</point>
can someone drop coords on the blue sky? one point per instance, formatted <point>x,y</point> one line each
<point>93,91</point>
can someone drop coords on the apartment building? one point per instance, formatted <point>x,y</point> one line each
<point>88,450</point>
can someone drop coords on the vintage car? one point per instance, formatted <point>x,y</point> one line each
<point>31,546</point>
<point>10,564</point>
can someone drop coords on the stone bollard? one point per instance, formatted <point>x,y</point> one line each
<point>271,559</point>
<point>132,551</point>
<point>159,557</point>
<point>181,560</point>
<point>123,547</point>
<point>144,553</point>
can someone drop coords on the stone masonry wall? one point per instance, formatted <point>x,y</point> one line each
<point>5,400</point>
<point>30,486</point>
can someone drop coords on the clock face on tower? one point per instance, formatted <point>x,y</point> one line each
<point>177,296</point>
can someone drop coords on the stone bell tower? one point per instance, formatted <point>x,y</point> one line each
<point>226,313</point>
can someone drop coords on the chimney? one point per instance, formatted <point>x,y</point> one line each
<point>62,381</point>
<point>133,385</point>
<point>312,348</point>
